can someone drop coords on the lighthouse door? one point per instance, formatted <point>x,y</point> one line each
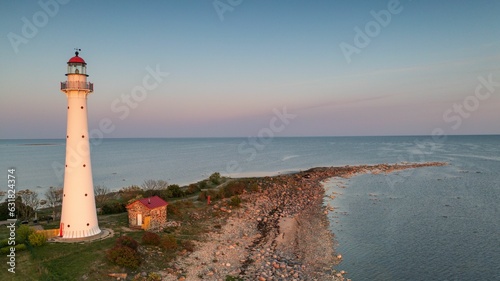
<point>139,219</point>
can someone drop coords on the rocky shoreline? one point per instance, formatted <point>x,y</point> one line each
<point>280,232</point>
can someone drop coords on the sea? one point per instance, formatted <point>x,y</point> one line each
<point>433,223</point>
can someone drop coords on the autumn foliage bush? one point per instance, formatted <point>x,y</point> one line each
<point>124,256</point>
<point>150,238</point>
<point>127,242</point>
<point>168,242</point>
<point>233,188</point>
<point>124,253</point>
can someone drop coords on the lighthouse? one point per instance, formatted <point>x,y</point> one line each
<point>79,216</point>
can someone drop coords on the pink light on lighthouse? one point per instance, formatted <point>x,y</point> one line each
<point>78,216</point>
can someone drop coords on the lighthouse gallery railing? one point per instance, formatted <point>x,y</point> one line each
<point>77,85</point>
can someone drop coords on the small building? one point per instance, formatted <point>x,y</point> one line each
<point>148,213</point>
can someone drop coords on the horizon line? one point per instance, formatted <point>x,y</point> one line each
<point>243,137</point>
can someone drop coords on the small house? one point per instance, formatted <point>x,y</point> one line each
<point>148,213</point>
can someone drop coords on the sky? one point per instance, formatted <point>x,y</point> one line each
<point>242,68</point>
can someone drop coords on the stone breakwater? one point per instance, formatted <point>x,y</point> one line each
<point>279,233</point>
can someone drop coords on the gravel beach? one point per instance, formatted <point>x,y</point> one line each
<point>280,232</point>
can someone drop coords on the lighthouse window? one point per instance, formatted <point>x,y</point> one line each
<point>85,194</point>
<point>83,136</point>
<point>81,107</point>
<point>68,225</point>
<point>88,224</point>
<point>84,165</point>
<point>76,71</point>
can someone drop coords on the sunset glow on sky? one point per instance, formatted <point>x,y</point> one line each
<point>340,67</point>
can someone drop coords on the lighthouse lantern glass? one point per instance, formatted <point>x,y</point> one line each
<point>77,68</point>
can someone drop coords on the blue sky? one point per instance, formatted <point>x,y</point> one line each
<point>231,70</point>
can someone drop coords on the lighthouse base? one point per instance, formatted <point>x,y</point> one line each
<point>81,233</point>
<point>104,234</point>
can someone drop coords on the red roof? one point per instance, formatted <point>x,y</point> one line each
<point>151,202</point>
<point>76,59</point>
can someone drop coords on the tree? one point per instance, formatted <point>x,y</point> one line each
<point>215,178</point>
<point>175,190</point>
<point>31,203</point>
<point>154,185</point>
<point>101,195</point>
<point>54,198</point>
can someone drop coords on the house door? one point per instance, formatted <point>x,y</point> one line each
<point>139,219</point>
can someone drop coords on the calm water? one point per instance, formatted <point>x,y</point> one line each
<point>438,223</point>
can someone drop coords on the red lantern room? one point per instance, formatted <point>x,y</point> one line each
<point>76,65</point>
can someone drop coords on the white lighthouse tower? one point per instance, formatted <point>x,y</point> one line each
<point>78,217</point>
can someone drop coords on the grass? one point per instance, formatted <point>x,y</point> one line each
<point>45,262</point>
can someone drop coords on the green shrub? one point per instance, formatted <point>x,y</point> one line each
<point>235,201</point>
<point>23,232</point>
<point>127,241</point>
<point>37,239</point>
<point>150,238</point>
<point>254,187</point>
<point>203,184</point>
<point>152,192</point>
<point>18,247</point>
<point>214,178</point>
<point>124,256</point>
<point>175,190</point>
<point>113,208</point>
<point>4,242</point>
<point>192,188</point>
<point>168,242</point>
